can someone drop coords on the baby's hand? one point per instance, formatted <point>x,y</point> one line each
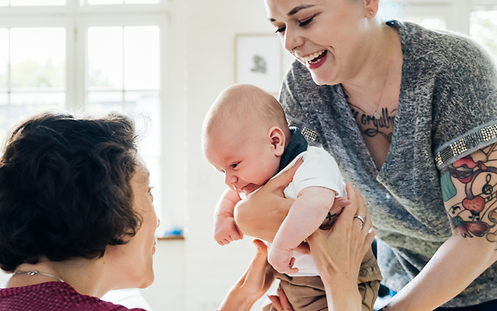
<point>226,231</point>
<point>282,260</point>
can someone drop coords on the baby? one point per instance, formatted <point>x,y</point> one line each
<point>246,136</point>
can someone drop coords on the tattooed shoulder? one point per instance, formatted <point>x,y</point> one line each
<point>469,193</point>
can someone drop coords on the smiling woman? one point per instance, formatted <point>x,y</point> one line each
<point>402,109</point>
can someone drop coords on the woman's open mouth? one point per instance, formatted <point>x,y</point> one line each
<point>315,60</point>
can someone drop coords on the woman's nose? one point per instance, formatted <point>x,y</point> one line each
<point>291,40</point>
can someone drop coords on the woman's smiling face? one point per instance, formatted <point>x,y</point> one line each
<point>328,36</point>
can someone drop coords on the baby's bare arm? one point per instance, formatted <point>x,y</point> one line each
<point>225,228</point>
<point>226,204</point>
<point>306,215</point>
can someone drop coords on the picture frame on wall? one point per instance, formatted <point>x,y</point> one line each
<point>258,61</point>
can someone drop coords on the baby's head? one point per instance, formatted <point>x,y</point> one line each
<point>244,135</point>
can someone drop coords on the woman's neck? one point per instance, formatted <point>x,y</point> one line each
<point>86,276</point>
<point>381,67</point>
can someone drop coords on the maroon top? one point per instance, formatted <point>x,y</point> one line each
<point>53,296</point>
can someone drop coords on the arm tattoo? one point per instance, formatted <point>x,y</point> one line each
<point>469,185</point>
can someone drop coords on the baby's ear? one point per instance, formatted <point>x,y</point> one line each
<point>277,137</point>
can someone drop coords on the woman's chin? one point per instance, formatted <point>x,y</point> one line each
<point>147,281</point>
<point>320,80</point>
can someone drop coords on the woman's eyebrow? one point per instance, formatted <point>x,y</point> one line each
<point>295,10</point>
<point>298,8</point>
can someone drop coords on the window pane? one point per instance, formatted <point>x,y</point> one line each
<point>4,121</point>
<point>37,57</point>
<point>141,1</point>
<point>428,22</point>
<point>484,29</point>
<point>105,57</point>
<point>4,2</point>
<point>104,102</point>
<point>4,57</point>
<point>26,104</point>
<point>37,2</point>
<point>141,58</point>
<point>98,2</point>
<point>146,107</point>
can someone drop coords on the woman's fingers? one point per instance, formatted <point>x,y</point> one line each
<point>358,210</point>
<point>261,248</point>
<point>285,178</point>
<point>280,302</point>
<point>347,241</point>
<point>259,276</point>
<point>262,214</point>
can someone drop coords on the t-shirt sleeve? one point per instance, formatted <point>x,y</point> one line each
<point>319,170</point>
<point>465,102</point>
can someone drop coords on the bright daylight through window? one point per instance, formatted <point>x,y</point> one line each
<point>96,56</point>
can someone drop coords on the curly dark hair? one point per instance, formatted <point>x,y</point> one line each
<point>65,188</point>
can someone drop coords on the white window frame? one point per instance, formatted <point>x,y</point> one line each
<point>76,19</point>
<point>455,12</point>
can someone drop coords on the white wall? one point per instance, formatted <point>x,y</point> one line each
<point>211,27</point>
<point>202,62</point>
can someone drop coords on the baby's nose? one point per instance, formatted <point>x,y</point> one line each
<point>230,179</point>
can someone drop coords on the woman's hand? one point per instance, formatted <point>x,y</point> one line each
<point>338,253</point>
<point>262,214</point>
<point>254,283</point>
<point>280,302</point>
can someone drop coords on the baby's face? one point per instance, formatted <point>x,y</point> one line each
<point>248,160</point>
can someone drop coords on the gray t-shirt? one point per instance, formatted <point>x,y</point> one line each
<point>447,109</point>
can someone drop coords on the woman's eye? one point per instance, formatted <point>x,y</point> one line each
<point>280,30</point>
<point>234,165</point>
<point>306,21</point>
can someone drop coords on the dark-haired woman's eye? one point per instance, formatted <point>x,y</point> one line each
<point>280,30</point>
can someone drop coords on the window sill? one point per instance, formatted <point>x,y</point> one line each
<point>171,238</point>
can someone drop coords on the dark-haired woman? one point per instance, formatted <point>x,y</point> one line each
<point>77,220</point>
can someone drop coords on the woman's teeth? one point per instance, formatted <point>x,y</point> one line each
<point>308,58</point>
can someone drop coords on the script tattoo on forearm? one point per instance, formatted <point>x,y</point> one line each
<point>370,126</point>
<point>476,175</point>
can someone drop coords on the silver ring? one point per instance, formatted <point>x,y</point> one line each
<point>362,219</point>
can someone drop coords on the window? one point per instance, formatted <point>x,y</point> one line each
<point>32,74</point>
<point>477,18</point>
<point>31,2</point>
<point>429,16</point>
<point>86,55</point>
<point>483,27</point>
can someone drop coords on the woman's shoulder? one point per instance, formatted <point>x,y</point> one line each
<point>53,296</point>
<point>441,47</point>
